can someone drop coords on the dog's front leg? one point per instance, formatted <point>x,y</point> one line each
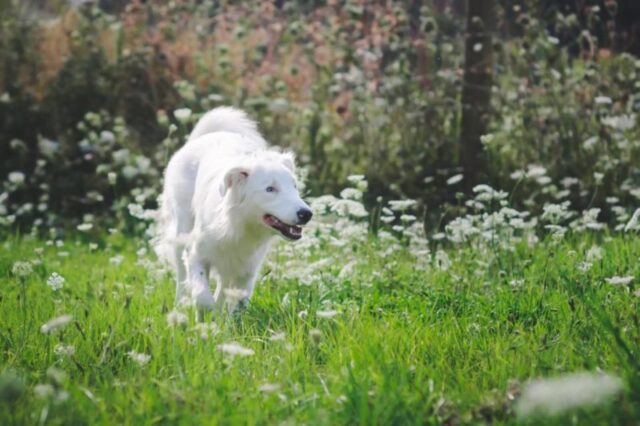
<point>233,296</point>
<point>198,275</point>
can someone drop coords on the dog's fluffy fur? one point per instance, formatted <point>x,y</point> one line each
<point>226,195</point>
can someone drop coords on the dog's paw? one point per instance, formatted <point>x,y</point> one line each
<point>203,298</point>
<point>241,306</point>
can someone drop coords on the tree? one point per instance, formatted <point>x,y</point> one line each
<point>476,91</point>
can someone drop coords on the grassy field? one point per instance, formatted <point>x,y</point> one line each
<point>381,342</point>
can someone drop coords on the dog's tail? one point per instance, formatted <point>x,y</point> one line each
<point>227,119</point>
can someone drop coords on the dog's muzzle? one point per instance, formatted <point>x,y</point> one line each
<point>291,232</point>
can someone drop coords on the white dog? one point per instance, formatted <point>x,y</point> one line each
<point>225,197</point>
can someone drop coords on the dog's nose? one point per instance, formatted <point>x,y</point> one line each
<point>304,216</point>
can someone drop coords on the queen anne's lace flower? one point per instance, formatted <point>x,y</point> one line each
<point>55,281</point>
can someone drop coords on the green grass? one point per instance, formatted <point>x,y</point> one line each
<point>409,346</point>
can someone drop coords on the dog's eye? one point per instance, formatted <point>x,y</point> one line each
<point>271,189</point>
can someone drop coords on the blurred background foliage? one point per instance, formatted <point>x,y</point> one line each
<point>89,92</point>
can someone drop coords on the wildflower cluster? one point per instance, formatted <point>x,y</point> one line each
<point>351,112</point>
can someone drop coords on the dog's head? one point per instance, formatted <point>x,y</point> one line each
<point>265,191</point>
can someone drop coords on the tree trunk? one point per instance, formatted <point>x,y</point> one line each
<point>476,91</point>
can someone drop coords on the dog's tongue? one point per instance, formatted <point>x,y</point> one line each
<point>272,221</point>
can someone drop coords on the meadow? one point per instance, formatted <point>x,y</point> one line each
<point>420,293</point>
<point>344,328</point>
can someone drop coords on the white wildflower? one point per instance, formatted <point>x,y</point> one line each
<point>182,115</point>
<point>387,211</point>
<point>455,179</point>
<point>569,181</point>
<point>402,205</point>
<point>348,208</point>
<point>47,147</point>
<point>56,323</point>
<point>355,178</point>
<point>442,260</point>
<point>112,177</point>
<point>598,177</point>
<point>517,175</point>
<point>176,318</point>
<point>116,260</point>
<point>55,281</point>
<point>516,283</point>
<point>121,156</point>
<point>279,106</point>
<point>234,349</point>
<point>277,337</point>
<point>590,142</point>
<point>557,395</point>
<point>487,193</point>
<point>139,358</point>
<point>129,172</point>
<point>602,100</point>
<point>57,376</point>
<point>44,391</point>
<point>595,253</point>
<point>620,122</point>
<point>616,280</point>
<point>351,194</point>
<point>84,227</point>
<point>327,314</point>
<point>461,228</point>
<point>136,210</point>
<point>316,335</point>
<point>16,178</point>
<point>387,219</point>
<point>63,350</point>
<point>408,218</point>
<point>206,329</point>
<point>61,396</point>
<point>486,139</point>
<point>543,180</point>
<point>589,220</point>
<point>269,387</point>
<point>107,137</point>
<point>585,266</point>
<point>535,171</point>
<point>557,232</point>
<point>555,213</point>
<point>22,269</point>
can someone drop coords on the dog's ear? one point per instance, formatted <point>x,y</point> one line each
<point>233,178</point>
<point>288,159</point>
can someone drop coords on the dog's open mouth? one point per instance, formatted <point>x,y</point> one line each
<point>291,232</point>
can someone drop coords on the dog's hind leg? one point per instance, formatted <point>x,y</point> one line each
<point>182,229</point>
<point>181,274</point>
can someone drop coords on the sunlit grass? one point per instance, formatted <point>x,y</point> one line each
<point>405,346</point>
